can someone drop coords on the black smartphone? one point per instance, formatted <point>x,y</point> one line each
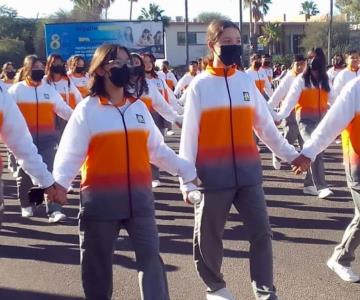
<point>36,195</point>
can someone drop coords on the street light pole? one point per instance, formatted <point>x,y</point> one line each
<point>330,31</point>
<point>241,28</point>
<point>186,32</point>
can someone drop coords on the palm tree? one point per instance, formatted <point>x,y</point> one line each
<point>105,5</point>
<point>154,13</point>
<point>272,33</point>
<point>131,6</point>
<point>91,9</point>
<point>309,8</point>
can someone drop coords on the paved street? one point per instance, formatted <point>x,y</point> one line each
<point>41,261</point>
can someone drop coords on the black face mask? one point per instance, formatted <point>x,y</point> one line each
<point>257,65</point>
<point>10,74</point>
<point>315,64</point>
<point>57,69</point>
<point>119,76</point>
<point>37,75</point>
<point>230,54</point>
<point>79,69</point>
<point>266,63</point>
<point>137,71</point>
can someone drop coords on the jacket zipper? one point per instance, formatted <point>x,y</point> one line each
<point>231,130</point>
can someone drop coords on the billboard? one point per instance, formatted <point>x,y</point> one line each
<point>83,38</point>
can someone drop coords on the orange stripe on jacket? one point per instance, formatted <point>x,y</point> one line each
<point>39,116</point>
<point>170,83</point>
<point>84,91</point>
<point>69,99</point>
<point>312,101</point>
<point>260,84</point>
<point>99,171</point>
<point>215,135</point>
<point>351,141</point>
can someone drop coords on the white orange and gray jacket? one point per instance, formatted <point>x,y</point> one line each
<point>261,81</point>
<point>183,83</point>
<point>15,134</point>
<point>39,104</point>
<point>169,78</point>
<point>282,89</point>
<point>81,82</point>
<point>311,104</point>
<point>344,114</point>
<point>220,115</point>
<point>344,77</point>
<point>115,149</point>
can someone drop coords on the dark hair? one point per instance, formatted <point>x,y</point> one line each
<point>141,87</point>
<point>102,54</point>
<point>255,56</point>
<point>266,56</point>
<point>323,80</point>
<point>299,57</point>
<point>5,65</point>
<point>152,58</point>
<point>193,62</point>
<point>25,70</point>
<point>351,52</point>
<point>49,63</point>
<point>72,62</point>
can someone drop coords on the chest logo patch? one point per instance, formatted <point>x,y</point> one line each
<point>46,96</point>
<point>140,118</point>
<point>246,96</point>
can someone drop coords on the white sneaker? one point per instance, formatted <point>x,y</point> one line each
<point>324,193</point>
<point>310,190</point>
<point>56,216</point>
<point>156,183</point>
<point>345,273</point>
<point>170,132</point>
<point>27,212</point>
<point>276,162</point>
<point>222,294</point>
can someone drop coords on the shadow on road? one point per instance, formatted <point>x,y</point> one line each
<point>7,294</point>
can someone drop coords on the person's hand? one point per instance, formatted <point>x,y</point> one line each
<point>277,123</point>
<point>300,164</point>
<point>186,193</point>
<point>178,124</point>
<point>56,193</point>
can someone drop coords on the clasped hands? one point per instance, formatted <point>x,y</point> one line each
<point>300,164</point>
<point>56,193</point>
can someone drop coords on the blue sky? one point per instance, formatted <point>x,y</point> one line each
<point>120,9</point>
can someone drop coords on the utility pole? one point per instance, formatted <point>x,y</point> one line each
<point>241,28</point>
<point>186,32</point>
<point>330,30</point>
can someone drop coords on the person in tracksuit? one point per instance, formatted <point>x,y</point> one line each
<point>16,136</point>
<point>116,193</point>
<point>77,74</point>
<point>291,129</point>
<point>222,109</point>
<point>39,103</point>
<point>344,114</point>
<point>310,95</point>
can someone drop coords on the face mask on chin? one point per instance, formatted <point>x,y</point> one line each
<point>229,54</point>
<point>119,77</point>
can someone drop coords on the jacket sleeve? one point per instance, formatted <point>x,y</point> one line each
<point>339,83</point>
<point>268,88</point>
<point>335,120</point>
<point>162,107</point>
<point>16,136</point>
<point>164,157</point>
<point>180,85</point>
<point>63,110</point>
<point>267,131</point>
<point>279,93</point>
<point>76,92</point>
<point>73,147</point>
<point>172,99</point>
<point>291,99</point>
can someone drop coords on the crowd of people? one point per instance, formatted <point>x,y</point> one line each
<point>60,118</point>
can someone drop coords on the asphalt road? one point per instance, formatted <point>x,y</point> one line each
<point>41,261</point>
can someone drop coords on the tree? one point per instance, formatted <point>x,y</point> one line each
<point>154,13</point>
<point>12,50</point>
<point>105,5</point>
<point>316,35</point>
<point>309,9</point>
<point>351,8</point>
<point>207,17</point>
<point>90,10</point>
<point>272,33</point>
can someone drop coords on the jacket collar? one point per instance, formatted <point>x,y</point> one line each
<point>220,71</point>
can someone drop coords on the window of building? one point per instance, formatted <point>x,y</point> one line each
<point>296,39</point>
<point>194,38</point>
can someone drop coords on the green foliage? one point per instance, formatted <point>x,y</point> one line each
<point>350,7</point>
<point>12,50</point>
<point>316,35</point>
<point>154,13</point>
<point>207,17</point>
<point>283,59</point>
<point>309,8</point>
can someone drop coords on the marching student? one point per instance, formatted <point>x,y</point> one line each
<point>115,193</point>
<point>39,103</point>
<point>16,136</point>
<point>222,109</point>
<point>291,129</point>
<point>344,114</point>
<point>185,81</point>
<point>338,64</point>
<point>259,76</point>
<point>7,75</point>
<point>77,74</point>
<point>310,96</point>
<point>266,66</point>
<point>166,74</point>
<point>349,73</point>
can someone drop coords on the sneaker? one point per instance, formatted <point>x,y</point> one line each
<point>222,294</point>
<point>16,174</point>
<point>276,162</point>
<point>27,212</point>
<point>156,183</point>
<point>170,132</point>
<point>345,273</point>
<point>310,190</point>
<point>56,216</point>
<point>324,193</point>
<point>338,141</point>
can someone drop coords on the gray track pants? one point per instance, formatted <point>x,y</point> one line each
<point>316,175</point>
<point>97,245</point>
<point>210,218</point>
